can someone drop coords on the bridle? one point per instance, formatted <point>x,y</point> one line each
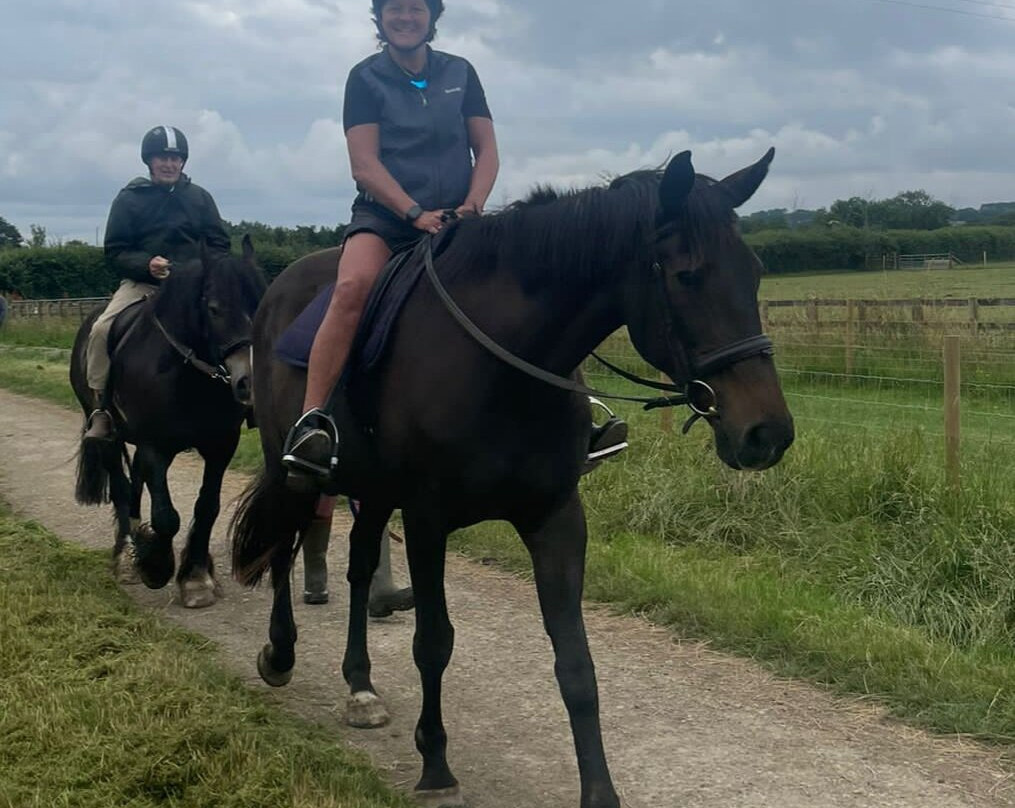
<point>695,393</point>
<point>217,372</point>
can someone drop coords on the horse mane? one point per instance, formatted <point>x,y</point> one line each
<point>582,237</point>
<point>176,302</point>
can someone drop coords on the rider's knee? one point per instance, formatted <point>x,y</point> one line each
<point>352,290</point>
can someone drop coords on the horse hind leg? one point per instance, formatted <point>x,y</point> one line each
<point>277,658</point>
<point>557,548</point>
<point>364,707</point>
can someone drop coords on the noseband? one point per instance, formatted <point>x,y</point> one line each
<point>695,393</point>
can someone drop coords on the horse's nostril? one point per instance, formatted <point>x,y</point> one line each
<point>241,388</point>
<point>764,445</point>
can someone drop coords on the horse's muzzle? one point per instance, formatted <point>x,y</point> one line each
<point>240,377</point>
<point>758,447</point>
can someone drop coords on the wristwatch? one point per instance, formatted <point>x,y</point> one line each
<point>413,213</point>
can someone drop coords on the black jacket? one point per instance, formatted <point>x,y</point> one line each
<point>146,220</point>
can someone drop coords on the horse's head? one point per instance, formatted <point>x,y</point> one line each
<point>696,315</point>
<point>231,290</point>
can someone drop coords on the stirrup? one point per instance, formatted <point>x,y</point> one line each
<point>606,441</point>
<point>313,426</point>
<point>105,434</point>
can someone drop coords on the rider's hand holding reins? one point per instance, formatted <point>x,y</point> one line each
<point>430,221</point>
<point>158,267</point>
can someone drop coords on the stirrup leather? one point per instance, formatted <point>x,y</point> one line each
<point>312,424</point>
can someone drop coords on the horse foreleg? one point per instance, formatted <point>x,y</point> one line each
<point>153,544</point>
<point>557,547</point>
<point>276,661</point>
<point>432,644</point>
<point>364,708</point>
<point>196,578</point>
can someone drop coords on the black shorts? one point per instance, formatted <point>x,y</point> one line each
<point>397,234</point>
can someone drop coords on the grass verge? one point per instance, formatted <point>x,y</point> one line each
<point>102,704</point>
<point>856,570</point>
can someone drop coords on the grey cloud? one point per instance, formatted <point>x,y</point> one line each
<point>860,97</point>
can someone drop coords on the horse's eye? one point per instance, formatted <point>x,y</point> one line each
<point>687,278</point>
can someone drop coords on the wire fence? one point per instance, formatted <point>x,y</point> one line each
<point>862,376</point>
<point>849,365</point>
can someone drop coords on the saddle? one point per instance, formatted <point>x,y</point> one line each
<point>123,325</point>
<point>394,285</point>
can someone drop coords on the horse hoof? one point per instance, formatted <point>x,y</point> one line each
<point>439,797</point>
<point>198,593</point>
<point>153,557</point>
<point>315,598</point>
<point>365,710</point>
<point>268,673</point>
<point>399,600</point>
<point>124,571</point>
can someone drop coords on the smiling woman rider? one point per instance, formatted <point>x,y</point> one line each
<point>421,141</point>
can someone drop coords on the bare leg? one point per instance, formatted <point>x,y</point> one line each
<point>363,257</point>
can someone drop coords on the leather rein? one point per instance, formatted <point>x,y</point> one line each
<point>218,373</point>
<point>696,393</point>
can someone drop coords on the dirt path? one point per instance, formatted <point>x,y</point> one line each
<point>682,725</point>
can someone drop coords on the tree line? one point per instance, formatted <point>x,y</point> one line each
<point>909,210</point>
<point>851,234</point>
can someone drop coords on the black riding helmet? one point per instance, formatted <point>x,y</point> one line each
<point>436,9</point>
<point>163,140</point>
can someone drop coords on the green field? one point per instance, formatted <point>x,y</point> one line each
<point>104,704</point>
<point>852,563</point>
<point>994,280</point>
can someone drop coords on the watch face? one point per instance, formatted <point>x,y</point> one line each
<point>414,213</point>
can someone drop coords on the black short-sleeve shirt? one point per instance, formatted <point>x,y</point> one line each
<point>423,131</point>
<point>362,105</point>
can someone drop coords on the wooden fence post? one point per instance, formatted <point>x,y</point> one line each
<point>812,313</point>
<point>952,423</point>
<point>763,306</point>
<point>850,306</point>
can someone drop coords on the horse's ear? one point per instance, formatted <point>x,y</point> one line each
<point>677,182</point>
<point>740,187</point>
<point>248,249</point>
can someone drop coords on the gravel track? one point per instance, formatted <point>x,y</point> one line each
<point>683,726</point>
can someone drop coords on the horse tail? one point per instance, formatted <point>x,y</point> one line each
<point>96,459</point>
<point>267,518</point>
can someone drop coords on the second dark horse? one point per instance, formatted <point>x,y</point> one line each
<point>180,379</point>
<point>453,436</point>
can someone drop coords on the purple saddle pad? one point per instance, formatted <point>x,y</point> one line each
<point>390,292</point>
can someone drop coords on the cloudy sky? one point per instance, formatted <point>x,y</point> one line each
<point>860,97</point>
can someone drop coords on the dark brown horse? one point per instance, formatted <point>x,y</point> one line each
<point>452,435</point>
<point>180,379</point>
